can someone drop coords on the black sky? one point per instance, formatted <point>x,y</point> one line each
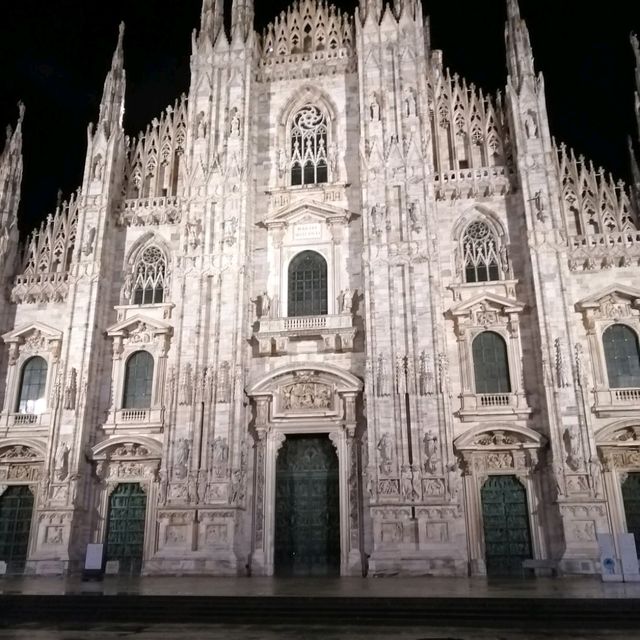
<point>55,54</point>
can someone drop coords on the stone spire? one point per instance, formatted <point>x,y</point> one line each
<point>242,14</point>
<point>211,21</point>
<point>11,174</point>
<point>635,166</point>
<point>519,53</point>
<point>371,8</point>
<point>112,104</point>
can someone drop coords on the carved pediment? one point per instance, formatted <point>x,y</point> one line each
<point>624,433</point>
<point>138,324</point>
<point>613,303</point>
<point>34,338</point>
<point>123,448</point>
<point>305,211</point>
<point>487,303</point>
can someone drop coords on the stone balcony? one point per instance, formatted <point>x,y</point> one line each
<point>612,402</point>
<point>477,407</point>
<point>125,420</point>
<point>30,421</point>
<point>142,212</point>
<point>598,251</point>
<point>330,333</point>
<point>472,183</point>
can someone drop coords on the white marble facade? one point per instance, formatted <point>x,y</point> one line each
<point>178,244</point>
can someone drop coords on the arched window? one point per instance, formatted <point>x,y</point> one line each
<point>308,285</point>
<point>149,277</point>
<point>480,253</point>
<point>622,355</point>
<point>309,142</point>
<point>33,383</point>
<point>490,363</point>
<point>138,381</point>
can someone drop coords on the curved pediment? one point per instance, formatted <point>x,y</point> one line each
<point>506,436</point>
<point>343,381</point>
<point>622,433</point>
<point>126,448</point>
<point>22,450</point>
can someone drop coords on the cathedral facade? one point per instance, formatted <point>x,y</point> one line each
<point>334,311</point>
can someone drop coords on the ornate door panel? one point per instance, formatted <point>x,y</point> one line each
<point>16,510</point>
<point>505,517</point>
<point>631,497</point>
<point>307,525</point>
<point>125,528</point>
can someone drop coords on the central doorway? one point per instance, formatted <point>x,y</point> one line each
<point>307,522</point>
<point>505,517</point>
<point>125,529</point>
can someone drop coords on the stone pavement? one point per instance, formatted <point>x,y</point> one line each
<point>588,587</point>
<point>294,632</point>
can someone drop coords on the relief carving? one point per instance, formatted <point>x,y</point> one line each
<point>306,395</point>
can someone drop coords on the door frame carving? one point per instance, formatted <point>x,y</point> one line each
<point>333,413</point>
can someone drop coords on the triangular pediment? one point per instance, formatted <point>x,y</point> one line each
<point>615,292</point>
<point>308,211</point>
<point>492,301</point>
<point>26,330</point>
<point>139,322</point>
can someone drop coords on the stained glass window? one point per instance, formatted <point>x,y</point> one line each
<point>309,147</point>
<point>308,285</point>
<point>33,386</point>
<point>622,355</point>
<point>138,381</point>
<point>150,277</point>
<point>480,249</point>
<point>490,363</point>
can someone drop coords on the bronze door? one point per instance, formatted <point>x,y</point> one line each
<point>307,523</point>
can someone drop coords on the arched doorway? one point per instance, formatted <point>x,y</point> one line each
<point>505,517</point>
<point>125,527</point>
<point>307,522</point>
<point>631,499</point>
<point>16,511</point>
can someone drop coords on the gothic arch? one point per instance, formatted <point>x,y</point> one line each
<point>478,212</point>
<point>145,240</point>
<point>307,94</point>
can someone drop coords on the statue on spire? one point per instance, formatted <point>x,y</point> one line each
<point>242,14</point>
<point>112,103</point>
<point>211,21</point>
<point>635,165</point>
<point>519,52</point>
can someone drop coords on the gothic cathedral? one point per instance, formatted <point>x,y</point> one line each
<point>334,312</point>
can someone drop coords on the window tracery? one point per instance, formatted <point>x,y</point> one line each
<point>149,278</point>
<point>481,253</point>
<point>309,144</point>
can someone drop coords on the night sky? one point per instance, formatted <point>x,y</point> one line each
<point>55,54</point>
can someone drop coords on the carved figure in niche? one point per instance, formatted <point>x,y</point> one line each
<point>531,125</point>
<point>265,305</point>
<point>87,247</point>
<point>201,127</point>
<point>374,109</point>
<point>561,365</point>
<point>409,490</point>
<point>62,461</point>
<point>385,447</point>
<point>127,289</point>
<point>595,468</point>
<point>383,379</point>
<point>409,103</point>
<point>414,215</point>
<point>237,487</point>
<point>185,386</point>
<point>346,301</point>
<point>220,456</point>
<point>70,391</point>
<point>454,479</point>
<point>378,215</point>
<point>431,453</point>
<point>333,159</point>
<point>282,162</point>
<point>98,168</point>
<point>235,123</point>
<point>194,231</point>
<point>574,447</point>
<point>182,458</point>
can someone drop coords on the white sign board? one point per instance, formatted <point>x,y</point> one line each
<point>628,557</point>
<point>608,562</point>
<point>93,559</point>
